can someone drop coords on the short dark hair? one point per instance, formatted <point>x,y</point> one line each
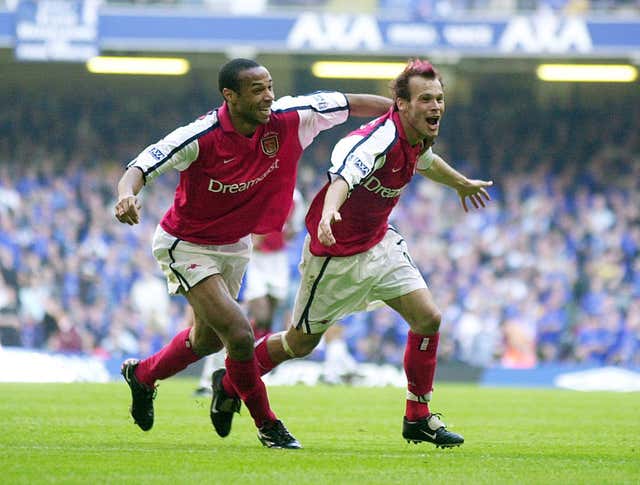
<point>229,74</point>
<point>415,67</point>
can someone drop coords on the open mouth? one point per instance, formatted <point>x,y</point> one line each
<point>265,111</point>
<point>433,121</point>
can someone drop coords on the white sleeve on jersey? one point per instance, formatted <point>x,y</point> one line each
<point>355,157</point>
<point>177,150</point>
<point>317,111</point>
<point>425,160</point>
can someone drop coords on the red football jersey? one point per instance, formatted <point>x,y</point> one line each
<point>277,241</point>
<point>232,185</point>
<point>377,162</point>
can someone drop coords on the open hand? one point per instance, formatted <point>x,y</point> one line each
<point>476,192</point>
<point>325,234</point>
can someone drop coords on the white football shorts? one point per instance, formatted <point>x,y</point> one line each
<point>267,274</point>
<point>333,287</point>
<point>185,264</point>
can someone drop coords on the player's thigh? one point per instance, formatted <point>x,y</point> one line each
<point>300,342</point>
<point>215,308</point>
<point>204,339</point>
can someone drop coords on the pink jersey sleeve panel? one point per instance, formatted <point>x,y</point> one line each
<point>317,112</point>
<point>358,155</point>
<point>425,160</point>
<point>178,150</point>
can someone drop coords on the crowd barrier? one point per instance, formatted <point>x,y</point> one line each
<point>21,365</point>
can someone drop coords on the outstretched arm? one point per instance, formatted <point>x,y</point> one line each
<point>441,172</point>
<point>368,105</point>
<point>334,198</point>
<point>176,150</point>
<point>127,209</point>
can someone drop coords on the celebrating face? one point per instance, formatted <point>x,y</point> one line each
<point>421,114</point>
<point>251,106</point>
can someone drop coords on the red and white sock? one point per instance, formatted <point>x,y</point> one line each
<point>265,364</point>
<point>168,361</point>
<point>420,367</point>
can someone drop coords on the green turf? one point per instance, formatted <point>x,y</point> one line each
<point>81,433</point>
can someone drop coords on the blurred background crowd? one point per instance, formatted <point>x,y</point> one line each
<point>548,272</point>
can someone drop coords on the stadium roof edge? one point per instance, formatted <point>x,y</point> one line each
<point>145,29</point>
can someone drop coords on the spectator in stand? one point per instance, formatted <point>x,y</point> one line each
<point>9,321</point>
<point>69,186</point>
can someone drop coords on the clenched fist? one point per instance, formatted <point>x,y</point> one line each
<point>127,210</point>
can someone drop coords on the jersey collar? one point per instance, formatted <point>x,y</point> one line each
<point>395,116</point>
<point>227,125</point>
<point>225,119</point>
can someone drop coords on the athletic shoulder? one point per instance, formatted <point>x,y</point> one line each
<point>319,101</point>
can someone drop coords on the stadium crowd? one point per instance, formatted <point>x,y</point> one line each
<point>549,272</point>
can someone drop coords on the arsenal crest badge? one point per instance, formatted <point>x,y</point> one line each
<point>270,144</point>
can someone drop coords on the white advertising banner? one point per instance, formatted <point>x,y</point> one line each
<point>57,30</point>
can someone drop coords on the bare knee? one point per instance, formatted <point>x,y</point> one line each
<point>240,342</point>
<point>302,348</point>
<point>208,337</point>
<point>426,323</point>
<point>203,348</point>
<point>297,344</point>
<point>419,311</point>
<point>204,341</point>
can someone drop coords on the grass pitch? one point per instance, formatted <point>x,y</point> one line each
<point>82,433</point>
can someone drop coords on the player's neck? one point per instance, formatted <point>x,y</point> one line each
<point>415,138</point>
<point>244,128</point>
<point>412,135</point>
<point>240,124</point>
